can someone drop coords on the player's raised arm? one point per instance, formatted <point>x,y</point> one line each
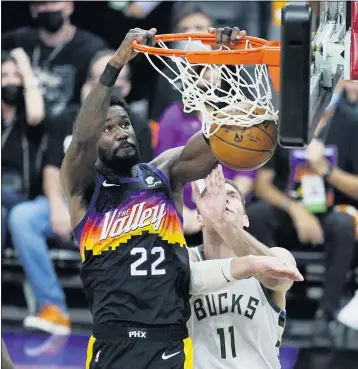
<point>226,215</point>
<point>78,165</point>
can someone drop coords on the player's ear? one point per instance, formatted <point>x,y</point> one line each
<point>246,221</point>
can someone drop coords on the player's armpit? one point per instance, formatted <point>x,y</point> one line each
<point>78,165</point>
<point>274,284</point>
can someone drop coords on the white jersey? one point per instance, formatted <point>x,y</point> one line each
<point>238,327</point>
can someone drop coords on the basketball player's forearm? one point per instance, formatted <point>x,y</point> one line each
<point>92,116</point>
<point>345,182</point>
<point>239,240</point>
<point>212,275</point>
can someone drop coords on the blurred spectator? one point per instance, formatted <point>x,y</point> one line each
<point>22,140</point>
<point>191,20</point>
<point>175,129</point>
<point>60,52</point>
<point>45,217</point>
<point>323,189</point>
<point>121,88</point>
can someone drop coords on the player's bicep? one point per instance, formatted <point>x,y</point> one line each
<point>195,161</point>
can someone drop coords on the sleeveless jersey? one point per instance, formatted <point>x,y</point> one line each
<point>236,328</point>
<point>135,264</point>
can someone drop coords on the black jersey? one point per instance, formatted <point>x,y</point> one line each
<point>135,263</point>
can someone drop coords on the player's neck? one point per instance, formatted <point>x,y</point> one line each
<point>214,246</point>
<point>64,34</point>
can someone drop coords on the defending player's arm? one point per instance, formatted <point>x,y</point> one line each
<point>212,207</point>
<point>212,275</point>
<point>78,165</point>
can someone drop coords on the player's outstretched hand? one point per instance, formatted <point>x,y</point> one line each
<point>228,35</point>
<point>126,51</point>
<point>212,204</point>
<point>273,267</point>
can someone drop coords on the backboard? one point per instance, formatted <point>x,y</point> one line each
<point>312,66</point>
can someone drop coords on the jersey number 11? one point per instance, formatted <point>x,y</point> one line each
<point>221,333</point>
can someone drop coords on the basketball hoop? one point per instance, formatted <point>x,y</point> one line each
<point>201,75</point>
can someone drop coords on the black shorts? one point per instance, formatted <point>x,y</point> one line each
<point>138,348</point>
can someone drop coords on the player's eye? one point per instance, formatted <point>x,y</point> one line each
<point>107,129</point>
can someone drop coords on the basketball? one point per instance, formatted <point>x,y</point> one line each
<point>244,148</point>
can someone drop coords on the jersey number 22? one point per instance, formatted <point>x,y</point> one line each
<point>154,266</point>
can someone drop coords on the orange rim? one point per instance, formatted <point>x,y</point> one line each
<point>262,51</point>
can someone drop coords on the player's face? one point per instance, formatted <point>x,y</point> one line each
<point>117,146</point>
<point>234,206</point>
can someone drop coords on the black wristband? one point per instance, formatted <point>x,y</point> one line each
<point>206,139</point>
<point>109,76</point>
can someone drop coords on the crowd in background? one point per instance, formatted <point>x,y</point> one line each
<point>48,68</point>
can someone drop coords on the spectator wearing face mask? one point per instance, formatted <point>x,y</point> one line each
<point>22,140</point>
<point>60,52</point>
<point>192,19</point>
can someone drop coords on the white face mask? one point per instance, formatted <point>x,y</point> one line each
<point>191,45</point>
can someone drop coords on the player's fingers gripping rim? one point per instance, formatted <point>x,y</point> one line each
<point>234,35</point>
<point>218,35</point>
<point>150,36</point>
<point>226,35</point>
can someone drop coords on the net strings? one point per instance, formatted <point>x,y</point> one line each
<point>201,87</point>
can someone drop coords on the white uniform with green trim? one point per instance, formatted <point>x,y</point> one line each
<point>236,328</point>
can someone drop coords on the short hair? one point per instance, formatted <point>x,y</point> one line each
<point>236,187</point>
<point>114,101</point>
<point>119,101</point>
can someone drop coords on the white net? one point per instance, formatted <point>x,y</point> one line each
<point>217,90</point>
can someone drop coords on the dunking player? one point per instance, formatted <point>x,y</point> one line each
<point>241,325</point>
<point>126,218</point>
